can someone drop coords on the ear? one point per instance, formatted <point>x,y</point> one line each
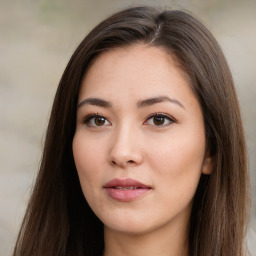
<point>207,167</point>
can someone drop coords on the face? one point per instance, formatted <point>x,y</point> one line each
<point>139,145</point>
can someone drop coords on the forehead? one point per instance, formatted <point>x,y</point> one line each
<point>134,70</point>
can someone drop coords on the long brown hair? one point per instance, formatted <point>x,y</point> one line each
<point>58,220</point>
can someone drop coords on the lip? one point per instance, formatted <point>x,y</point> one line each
<point>126,190</point>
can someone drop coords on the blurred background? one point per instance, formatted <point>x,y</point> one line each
<point>37,39</point>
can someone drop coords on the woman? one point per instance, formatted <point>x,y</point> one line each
<point>145,151</point>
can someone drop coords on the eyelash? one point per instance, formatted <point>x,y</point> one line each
<point>161,115</point>
<point>92,116</point>
<point>89,117</point>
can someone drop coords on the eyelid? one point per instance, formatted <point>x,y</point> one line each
<point>90,116</point>
<point>164,115</point>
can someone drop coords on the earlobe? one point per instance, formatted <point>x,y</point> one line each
<point>207,167</point>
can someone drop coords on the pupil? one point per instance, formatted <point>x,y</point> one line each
<point>158,120</point>
<point>99,121</point>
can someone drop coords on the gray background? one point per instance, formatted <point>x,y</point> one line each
<point>37,39</point>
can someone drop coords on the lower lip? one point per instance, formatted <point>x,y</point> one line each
<point>128,195</point>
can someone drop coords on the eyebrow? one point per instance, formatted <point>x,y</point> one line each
<point>155,100</point>
<point>95,102</point>
<point>143,103</point>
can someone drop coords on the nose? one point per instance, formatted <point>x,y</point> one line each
<point>126,148</point>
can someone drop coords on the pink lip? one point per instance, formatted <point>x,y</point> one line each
<point>126,190</point>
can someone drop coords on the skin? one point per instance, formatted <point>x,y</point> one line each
<point>130,143</point>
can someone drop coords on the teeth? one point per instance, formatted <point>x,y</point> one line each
<point>126,188</point>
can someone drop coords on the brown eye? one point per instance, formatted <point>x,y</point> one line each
<point>159,120</point>
<point>95,120</point>
<point>99,121</point>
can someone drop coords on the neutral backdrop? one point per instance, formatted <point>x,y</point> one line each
<point>37,39</point>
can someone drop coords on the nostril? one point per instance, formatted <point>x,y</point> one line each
<point>113,162</point>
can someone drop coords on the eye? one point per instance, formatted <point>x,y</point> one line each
<point>159,120</point>
<point>94,120</point>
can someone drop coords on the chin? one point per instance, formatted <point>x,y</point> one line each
<point>128,228</point>
<point>134,224</point>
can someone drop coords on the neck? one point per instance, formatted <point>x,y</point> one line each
<point>159,242</point>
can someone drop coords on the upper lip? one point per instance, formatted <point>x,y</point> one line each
<point>125,183</point>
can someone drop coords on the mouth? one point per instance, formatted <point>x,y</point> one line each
<point>126,190</point>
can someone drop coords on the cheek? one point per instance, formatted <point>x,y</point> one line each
<point>88,167</point>
<point>177,163</point>
<point>87,163</point>
<point>179,152</point>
